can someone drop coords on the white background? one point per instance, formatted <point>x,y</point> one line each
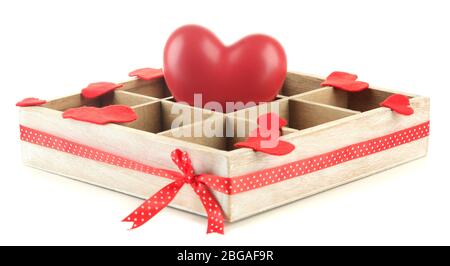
<point>54,48</point>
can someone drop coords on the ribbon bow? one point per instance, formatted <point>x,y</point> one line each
<point>163,197</point>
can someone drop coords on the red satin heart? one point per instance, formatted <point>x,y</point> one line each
<point>398,103</point>
<point>107,114</point>
<point>266,137</point>
<point>98,89</point>
<point>146,73</point>
<point>195,61</point>
<point>345,81</point>
<point>282,148</point>
<point>30,102</point>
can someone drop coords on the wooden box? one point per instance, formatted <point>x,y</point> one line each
<point>320,120</point>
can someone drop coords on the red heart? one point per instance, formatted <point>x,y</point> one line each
<point>398,103</point>
<point>97,89</point>
<point>269,132</point>
<point>345,81</point>
<point>108,114</point>
<point>30,102</point>
<point>146,73</point>
<point>282,148</point>
<point>195,61</point>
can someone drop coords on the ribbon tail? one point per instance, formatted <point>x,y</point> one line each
<point>154,204</point>
<point>212,208</point>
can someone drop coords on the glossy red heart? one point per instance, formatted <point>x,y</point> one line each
<point>398,103</point>
<point>345,81</point>
<point>30,102</point>
<point>107,114</point>
<point>195,61</point>
<point>98,89</point>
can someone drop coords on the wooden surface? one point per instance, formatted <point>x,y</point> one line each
<point>319,120</point>
<point>332,135</point>
<point>265,198</point>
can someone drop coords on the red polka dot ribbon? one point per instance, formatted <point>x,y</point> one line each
<point>318,162</point>
<point>162,198</point>
<point>148,209</point>
<point>202,183</point>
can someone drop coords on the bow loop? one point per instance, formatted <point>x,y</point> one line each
<point>163,197</point>
<point>183,162</point>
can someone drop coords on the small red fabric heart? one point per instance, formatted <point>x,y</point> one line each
<point>282,148</point>
<point>147,73</point>
<point>266,137</point>
<point>197,62</point>
<point>98,89</point>
<point>107,114</point>
<point>30,102</point>
<point>398,103</point>
<point>345,81</point>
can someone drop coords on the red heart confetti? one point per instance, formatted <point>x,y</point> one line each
<point>282,148</point>
<point>266,137</point>
<point>97,89</point>
<point>398,103</point>
<point>107,114</point>
<point>345,81</point>
<point>147,73</point>
<point>30,102</point>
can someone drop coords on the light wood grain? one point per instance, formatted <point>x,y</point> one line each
<point>116,178</point>
<point>229,131</point>
<point>71,101</point>
<point>148,117</point>
<point>332,135</point>
<point>304,114</point>
<point>258,200</point>
<point>142,146</point>
<point>320,120</point>
<point>116,97</point>
<point>328,96</point>
<point>156,88</point>
<point>279,106</point>
<point>297,83</point>
<point>126,98</point>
